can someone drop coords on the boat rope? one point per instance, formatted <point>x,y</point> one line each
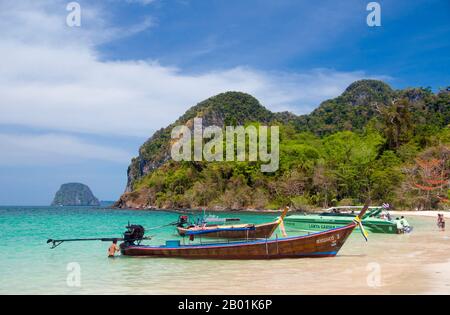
<point>160,226</point>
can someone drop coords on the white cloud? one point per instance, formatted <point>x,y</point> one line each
<point>29,149</point>
<point>51,77</point>
<point>43,24</point>
<point>72,91</point>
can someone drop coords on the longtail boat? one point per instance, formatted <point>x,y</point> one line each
<point>321,244</point>
<point>236,231</point>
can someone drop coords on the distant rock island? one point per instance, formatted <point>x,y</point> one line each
<point>75,194</point>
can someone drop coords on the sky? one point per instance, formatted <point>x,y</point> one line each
<point>77,102</point>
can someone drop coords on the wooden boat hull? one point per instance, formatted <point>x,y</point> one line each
<point>234,232</point>
<point>320,223</point>
<point>322,244</point>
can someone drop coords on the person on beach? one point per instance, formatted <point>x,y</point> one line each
<point>402,225</point>
<point>388,216</point>
<point>405,225</point>
<point>399,225</point>
<point>404,222</point>
<point>113,249</point>
<point>441,222</point>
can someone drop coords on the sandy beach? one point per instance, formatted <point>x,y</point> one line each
<point>425,213</point>
<point>416,263</point>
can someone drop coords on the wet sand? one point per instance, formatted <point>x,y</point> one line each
<point>439,274</point>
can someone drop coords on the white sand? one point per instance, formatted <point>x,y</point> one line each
<point>425,213</point>
<point>438,278</point>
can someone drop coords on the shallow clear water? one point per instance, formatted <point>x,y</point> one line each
<point>28,266</point>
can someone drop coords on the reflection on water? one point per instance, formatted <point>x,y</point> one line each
<point>386,264</point>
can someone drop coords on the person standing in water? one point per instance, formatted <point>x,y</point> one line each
<point>441,222</point>
<point>113,249</point>
<point>406,227</point>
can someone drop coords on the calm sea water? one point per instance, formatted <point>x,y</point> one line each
<point>28,266</point>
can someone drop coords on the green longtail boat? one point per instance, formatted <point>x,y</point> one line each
<point>376,220</point>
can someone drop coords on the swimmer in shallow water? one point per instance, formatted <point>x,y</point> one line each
<point>113,249</point>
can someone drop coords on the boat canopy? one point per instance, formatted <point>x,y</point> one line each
<point>373,211</point>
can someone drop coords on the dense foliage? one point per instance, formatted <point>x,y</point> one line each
<point>393,146</point>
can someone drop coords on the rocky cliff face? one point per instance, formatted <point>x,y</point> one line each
<point>75,194</point>
<point>231,108</point>
<point>349,111</point>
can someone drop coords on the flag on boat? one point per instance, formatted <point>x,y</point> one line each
<point>364,233</point>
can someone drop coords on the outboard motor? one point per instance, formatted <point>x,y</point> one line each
<point>182,220</point>
<point>134,233</point>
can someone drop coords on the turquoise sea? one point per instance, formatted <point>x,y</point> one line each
<point>28,266</point>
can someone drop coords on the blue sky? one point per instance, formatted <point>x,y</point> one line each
<point>76,103</point>
<point>294,36</point>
